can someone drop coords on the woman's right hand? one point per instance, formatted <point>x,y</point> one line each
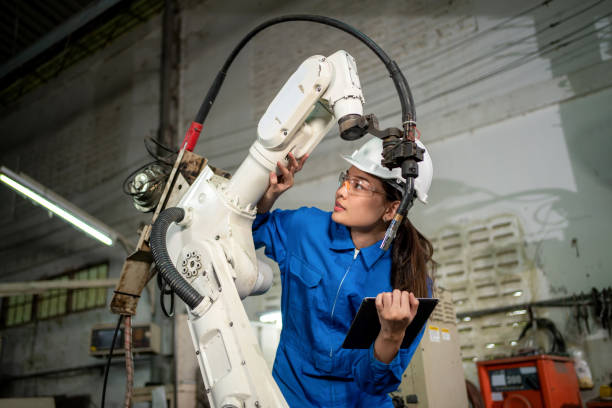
<point>280,183</point>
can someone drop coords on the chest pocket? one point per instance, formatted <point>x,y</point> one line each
<point>304,281</point>
<point>306,274</point>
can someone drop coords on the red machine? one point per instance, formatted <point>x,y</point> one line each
<point>541,381</point>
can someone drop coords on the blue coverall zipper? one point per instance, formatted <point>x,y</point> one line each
<point>331,349</point>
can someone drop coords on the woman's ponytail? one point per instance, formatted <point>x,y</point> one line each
<point>412,264</point>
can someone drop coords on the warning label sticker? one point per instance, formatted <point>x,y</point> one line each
<point>445,334</point>
<point>434,334</point>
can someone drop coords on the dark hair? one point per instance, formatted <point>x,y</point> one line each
<point>411,255</point>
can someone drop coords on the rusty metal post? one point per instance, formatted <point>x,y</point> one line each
<point>169,76</point>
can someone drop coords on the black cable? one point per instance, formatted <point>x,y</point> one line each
<point>398,78</point>
<point>401,85</point>
<point>168,160</point>
<point>162,161</point>
<point>162,302</point>
<point>558,345</point>
<point>166,148</point>
<point>110,356</point>
<point>161,284</point>
<point>579,53</point>
<point>127,180</point>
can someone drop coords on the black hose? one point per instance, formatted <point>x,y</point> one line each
<point>558,345</point>
<point>162,260</point>
<point>403,91</point>
<point>401,85</point>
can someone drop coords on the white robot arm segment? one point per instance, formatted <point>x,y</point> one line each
<point>344,94</point>
<point>292,105</point>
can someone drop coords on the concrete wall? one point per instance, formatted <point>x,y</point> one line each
<point>516,122</point>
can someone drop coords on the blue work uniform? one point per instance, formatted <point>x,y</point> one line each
<point>323,282</point>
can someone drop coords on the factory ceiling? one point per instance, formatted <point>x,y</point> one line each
<point>41,38</point>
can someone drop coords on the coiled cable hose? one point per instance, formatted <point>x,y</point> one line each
<point>162,260</point>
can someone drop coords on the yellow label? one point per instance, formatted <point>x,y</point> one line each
<point>434,334</point>
<point>445,334</point>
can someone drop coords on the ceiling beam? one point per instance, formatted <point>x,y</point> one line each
<point>58,34</point>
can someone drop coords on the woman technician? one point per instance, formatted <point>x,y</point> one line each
<point>329,263</point>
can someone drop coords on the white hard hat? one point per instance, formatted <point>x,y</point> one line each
<point>367,158</point>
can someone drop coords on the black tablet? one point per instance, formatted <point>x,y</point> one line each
<point>365,326</point>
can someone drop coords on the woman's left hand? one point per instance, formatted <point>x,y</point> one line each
<point>396,310</point>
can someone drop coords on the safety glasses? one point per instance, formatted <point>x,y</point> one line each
<point>357,186</point>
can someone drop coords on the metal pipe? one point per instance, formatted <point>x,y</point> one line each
<point>568,301</point>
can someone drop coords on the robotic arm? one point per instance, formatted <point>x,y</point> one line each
<point>321,90</point>
<point>204,248</point>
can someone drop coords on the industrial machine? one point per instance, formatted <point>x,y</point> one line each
<point>146,339</point>
<point>435,371</point>
<point>200,238</point>
<point>538,381</point>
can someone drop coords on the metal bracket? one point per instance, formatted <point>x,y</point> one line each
<point>136,271</point>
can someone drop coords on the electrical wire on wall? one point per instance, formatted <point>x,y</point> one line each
<point>465,69</point>
<point>427,58</point>
<point>551,46</point>
<point>478,34</point>
<point>519,41</point>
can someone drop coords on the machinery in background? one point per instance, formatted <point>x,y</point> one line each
<point>542,364</point>
<point>146,338</point>
<point>538,381</point>
<point>435,376</point>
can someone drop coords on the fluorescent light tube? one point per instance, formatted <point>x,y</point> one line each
<point>53,203</point>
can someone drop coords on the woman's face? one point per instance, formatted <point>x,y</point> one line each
<point>361,201</point>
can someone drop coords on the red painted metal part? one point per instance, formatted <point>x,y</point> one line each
<point>556,375</point>
<point>192,135</point>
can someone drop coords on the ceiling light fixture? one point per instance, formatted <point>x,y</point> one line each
<point>58,206</point>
